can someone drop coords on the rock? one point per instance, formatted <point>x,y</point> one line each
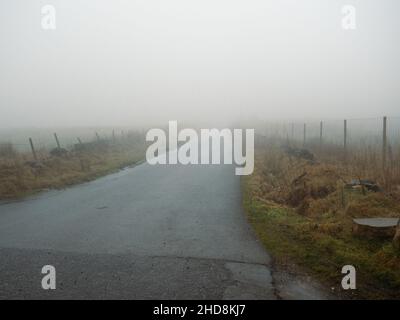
<point>91,146</point>
<point>35,164</point>
<point>299,153</point>
<point>368,184</point>
<point>375,227</point>
<point>58,152</point>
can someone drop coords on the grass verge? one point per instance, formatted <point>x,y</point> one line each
<point>322,244</point>
<point>20,178</point>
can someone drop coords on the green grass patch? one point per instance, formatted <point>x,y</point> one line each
<point>323,246</point>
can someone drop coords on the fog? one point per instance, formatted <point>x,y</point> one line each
<point>206,61</point>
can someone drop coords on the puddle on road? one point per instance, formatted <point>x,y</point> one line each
<point>253,281</point>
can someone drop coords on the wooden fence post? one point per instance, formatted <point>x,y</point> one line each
<point>287,134</point>
<point>33,149</point>
<point>345,139</point>
<point>304,134</point>
<point>98,137</point>
<point>320,134</point>
<point>79,140</point>
<point>384,143</point>
<point>58,142</point>
<point>292,131</point>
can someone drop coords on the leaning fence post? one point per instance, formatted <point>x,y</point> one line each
<point>384,142</point>
<point>58,142</point>
<point>33,149</point>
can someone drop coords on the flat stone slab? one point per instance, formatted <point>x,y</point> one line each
<point>377,222</point>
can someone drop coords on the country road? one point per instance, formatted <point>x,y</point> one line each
<point>146,232</point>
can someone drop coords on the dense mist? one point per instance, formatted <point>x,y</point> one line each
<point>211,62</point>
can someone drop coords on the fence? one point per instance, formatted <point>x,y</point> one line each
<point>37,142</point>
<point>370,145</point>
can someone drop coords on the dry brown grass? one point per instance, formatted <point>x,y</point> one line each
<point>20,175</point>
<point>302,213</point>
<point>315,188</point>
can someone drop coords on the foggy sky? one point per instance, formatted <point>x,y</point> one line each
<point>149,61</point>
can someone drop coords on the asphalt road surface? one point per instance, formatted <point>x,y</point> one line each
<point>147,232</point>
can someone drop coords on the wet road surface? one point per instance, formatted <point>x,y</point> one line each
<point>147,232</point>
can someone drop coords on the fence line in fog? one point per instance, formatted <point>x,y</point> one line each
<point>377,133</point>
<point>7,148</point>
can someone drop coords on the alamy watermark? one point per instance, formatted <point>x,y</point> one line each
<point>349,21</point>
<point>48,20</point>
<point>349,280</point>
<point>196,149</point>
<point>49,280</point>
